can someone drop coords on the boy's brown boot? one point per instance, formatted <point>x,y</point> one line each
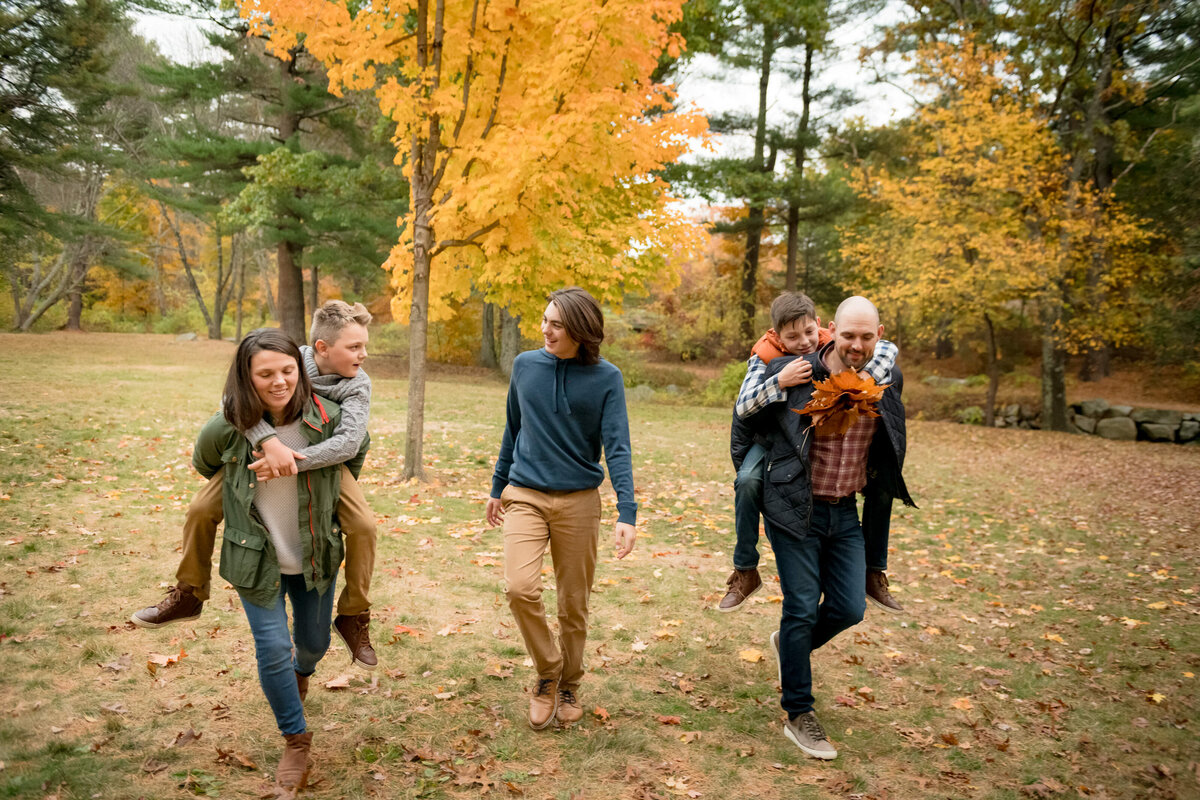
<point>302,685</point>
<point>180,605</point>
<point>742,583</point>
<point>877,592</point>
<point>292,772</point>
<point>543,704</point>
<point>355,631</point>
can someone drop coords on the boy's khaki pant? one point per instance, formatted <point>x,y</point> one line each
<point>569,524</point>
<point>358,524</point>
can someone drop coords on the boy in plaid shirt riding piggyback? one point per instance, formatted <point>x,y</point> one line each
<point>796,330</point>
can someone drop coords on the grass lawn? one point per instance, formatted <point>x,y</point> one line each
<point>1050,648</point>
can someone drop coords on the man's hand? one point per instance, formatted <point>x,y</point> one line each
<point>797,372</point>
<point>275,460</point>
<point>495,511</point>
<point>624,537</point>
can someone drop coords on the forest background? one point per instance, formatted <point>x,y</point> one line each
<point>1028,223</point>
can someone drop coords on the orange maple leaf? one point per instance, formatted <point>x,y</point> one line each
<point>840,400</point>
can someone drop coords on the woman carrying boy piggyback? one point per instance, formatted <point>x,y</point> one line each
<point>280,541</point>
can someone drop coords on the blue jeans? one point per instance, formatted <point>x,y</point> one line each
<point>278,663</point>
<point>876,525</point>
<point>827,559</point>
<point>747,507</point>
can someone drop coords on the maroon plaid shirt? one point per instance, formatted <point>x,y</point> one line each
<point>839,463</point>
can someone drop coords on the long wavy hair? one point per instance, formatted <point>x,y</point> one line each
<point>582,319</point>
<point>243,408</point>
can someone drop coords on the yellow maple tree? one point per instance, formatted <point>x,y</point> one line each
<point>532,136</point>
<point>983,223</point>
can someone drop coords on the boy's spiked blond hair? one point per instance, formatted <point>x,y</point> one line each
<point>330,319</point>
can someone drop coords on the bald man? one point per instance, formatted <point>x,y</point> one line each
<point>811,516</point>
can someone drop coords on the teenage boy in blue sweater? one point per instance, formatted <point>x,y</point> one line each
<point>565,403</point>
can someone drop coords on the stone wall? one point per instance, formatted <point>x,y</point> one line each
<point>1128,423</point>
<point>1098,418</point>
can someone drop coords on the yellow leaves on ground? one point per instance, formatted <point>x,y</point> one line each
<point>156,660</point>
<point>752,655</point>
<point>963,704</point>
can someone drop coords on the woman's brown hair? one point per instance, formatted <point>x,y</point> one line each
<point>243,409</point>
<point>582,319</point>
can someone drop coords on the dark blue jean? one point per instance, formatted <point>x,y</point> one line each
<point>876,525</point>
<point>828,559</point>
<point>747,507</point>
<point>278,662</point>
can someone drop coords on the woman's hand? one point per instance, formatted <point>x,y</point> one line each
<point>275,460</point>
<point>624,537</point>
<point>495,511</point>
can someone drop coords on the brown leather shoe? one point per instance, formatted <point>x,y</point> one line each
<point>543,704</point>
<point>742,583</point>
<point>302,685</point>
<point>180,605</point>
<point>355,631</point>
<point>569,711</point>
<point>292,772</point>
<point>877,592</point>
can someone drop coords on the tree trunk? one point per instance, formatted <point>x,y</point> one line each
<point>240,267</point>
<point>289,254</point>
<point>993,372</point>
<point>487,337</point>
<point>801,156</point>
<point>510,340</point>
<point>75,305</point>
<point>754,222</point>
<point>187,265</point>
<point>1054,385</point>
<point>219,297</point>
<point>291,293</point>
<point>314,288</point>
<point>264,276</point>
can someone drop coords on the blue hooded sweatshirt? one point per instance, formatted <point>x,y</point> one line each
<point>560,414</point>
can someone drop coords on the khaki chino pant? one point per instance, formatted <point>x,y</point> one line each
<point>568,523</point>
<point>354,515</point>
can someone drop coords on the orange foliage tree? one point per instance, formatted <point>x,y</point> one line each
<point>984,223</point>
<point>531,134</point>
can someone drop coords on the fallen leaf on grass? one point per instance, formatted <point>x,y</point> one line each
<point>601,713</point>
<point>639,646</point>
<point>843,700</point>
<point>185,737</point>
<point>687,737</point>
<point>404,630</point>
<point>445,695</point>
<point>962,704</point>
<point>156,660</point>
<point>751,655</point>
<point>232,757</point>
<point>340,682</point>
<point>116,708</point>
<point>498,671</point>
<point>118,665</point>
<point>1156,697</point>
<point>668,720</point>
<point>151,766</point>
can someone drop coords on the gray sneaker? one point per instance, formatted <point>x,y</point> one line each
<point>806,733</point>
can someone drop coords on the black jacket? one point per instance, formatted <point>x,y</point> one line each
<point>787,436</point>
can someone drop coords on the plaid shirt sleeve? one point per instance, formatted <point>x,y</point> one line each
<point>880,365</point>
<point>756,393</point>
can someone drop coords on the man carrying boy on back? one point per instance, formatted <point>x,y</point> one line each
<point>810,513</point>
<point>339,337</point>
<point>796,331</point>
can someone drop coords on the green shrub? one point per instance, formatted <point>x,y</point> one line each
<point>971,415</point>
<point>723,390</point>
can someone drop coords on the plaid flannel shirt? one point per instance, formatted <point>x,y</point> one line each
<point>756,393</point>
<point>839,463</point>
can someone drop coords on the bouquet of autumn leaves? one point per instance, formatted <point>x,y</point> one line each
<point>840,400</point>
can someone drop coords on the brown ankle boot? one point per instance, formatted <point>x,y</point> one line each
<point>180,605</point>
<point>543,703</point>
<point>302,685</point>
<point>292,772</point>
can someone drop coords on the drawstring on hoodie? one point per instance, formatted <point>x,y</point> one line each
<point>560,384</point>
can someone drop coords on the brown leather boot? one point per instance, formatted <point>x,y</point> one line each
<point>742,583</point>
<point>543,704</point>
<point>292,772</point>
<point>302,685</point>
<point>569,711</point>
<point>877,592</point>
<point>355,631</point>
<point>180,605</point>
